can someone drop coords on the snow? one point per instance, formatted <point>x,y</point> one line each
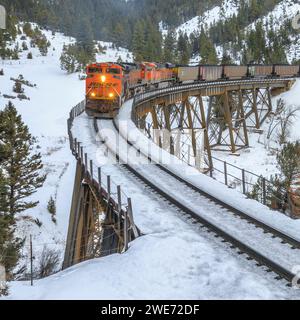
<point>46,115</point>
<point>173,260</point>
<point>285,11</point>
<point>162,265</point>
<point>227,9</point>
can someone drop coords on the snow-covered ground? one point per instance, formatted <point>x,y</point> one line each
<point>174,259</point>
<point>46,115</point>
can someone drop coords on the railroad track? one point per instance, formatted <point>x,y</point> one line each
<point>268,246</point>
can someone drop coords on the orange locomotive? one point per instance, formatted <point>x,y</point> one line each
<point>105,86</point>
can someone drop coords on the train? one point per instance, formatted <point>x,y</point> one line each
<point>109,84</point>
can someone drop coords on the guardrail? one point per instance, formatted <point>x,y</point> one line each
<point>118,201</point>
<point>145,96</point>
<point>252,185</point>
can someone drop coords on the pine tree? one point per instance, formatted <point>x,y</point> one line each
<point>183,49</point>
<point>120,60</point>
<point>169,54</point>
<point>17,88</point>
<point>169,47</point>
<point>288,160</point>
<point>24,46</point>
<point>207,49</point>
<point>152,50</point>
<point>257,43</point>
<point>68,61</point>
<point>195,43</point>
<point>138,41</point>
<point>10,246</point>
<point>22,165</point>
<point>226,59</point>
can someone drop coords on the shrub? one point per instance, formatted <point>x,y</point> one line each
<point>27,29</point>
<point>48,263</point>
<point>38,222</point>
<point>17,88</point>
<point>52,209</point>
<point>24,46</point>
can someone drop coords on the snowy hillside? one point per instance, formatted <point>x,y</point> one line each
<point>285,11</point>
<point>210,17</point>
<point>46,114</point>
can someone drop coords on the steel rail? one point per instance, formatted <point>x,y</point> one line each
<point>146,96</point>
<point>261,259</point>
<point>281,271</point>
<point>267,228</point>
<point>244,248</point>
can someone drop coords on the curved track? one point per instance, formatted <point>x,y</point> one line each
<point>268,246</point>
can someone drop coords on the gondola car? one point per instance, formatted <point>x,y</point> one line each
<point>211,73</point>
<point>286,70</point>
<point>260,71</point>
<point>234,72</point>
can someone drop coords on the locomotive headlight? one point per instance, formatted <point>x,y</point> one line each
<point>103,78</point>
<point>93,94</point>
<point>111,95</point>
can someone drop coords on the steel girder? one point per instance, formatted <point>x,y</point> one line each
<point>221,124</point>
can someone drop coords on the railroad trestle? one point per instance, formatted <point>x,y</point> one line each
<point>206,116</point>
<point>101,218</point>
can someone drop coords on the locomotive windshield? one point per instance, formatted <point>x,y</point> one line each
<point>113,71</point>
<point>94,70</point>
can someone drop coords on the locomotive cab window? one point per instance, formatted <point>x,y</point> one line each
<point>113,71</point>
<point>94,70</point>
